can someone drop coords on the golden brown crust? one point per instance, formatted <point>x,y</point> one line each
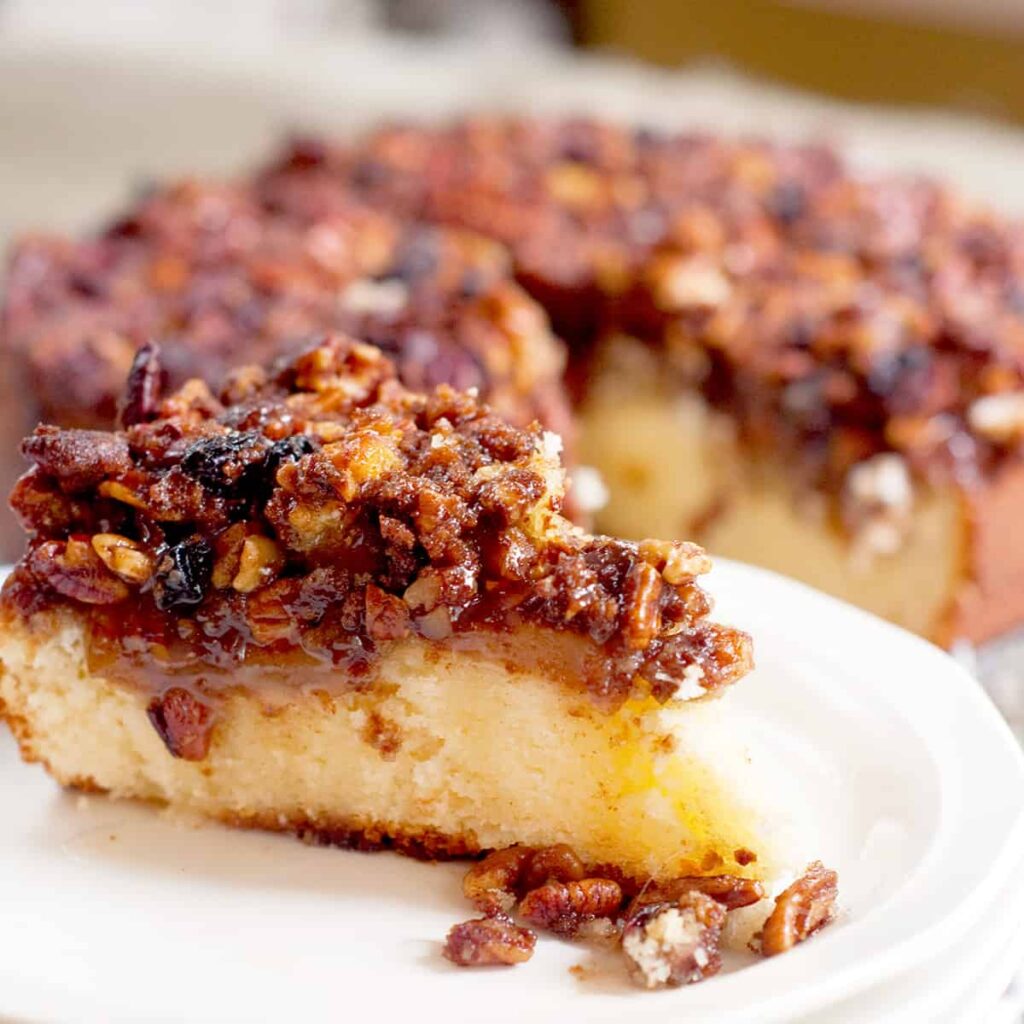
<point>425,844</point>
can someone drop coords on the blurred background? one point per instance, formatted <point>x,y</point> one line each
<point>97,94</point>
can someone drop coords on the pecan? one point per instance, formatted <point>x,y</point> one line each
<point>124,557</point>
<point>146,382</point>
<point>487,941</point>
<point>674,943</point>
<point>387,616</point>
<point>259,561</point>
<point>74,570</point>
<point>557,863</point>
<point>643,588</point>
<point>805,907</point>
<point>562,907</point>
<point>183,722</point>
<point>227,555</point>
<point>79,459</point>
<point>730,891</point>
<point>677,561</point>
<point>492,883</point>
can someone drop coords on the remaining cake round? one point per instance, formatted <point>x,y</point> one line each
<point>854,342</point>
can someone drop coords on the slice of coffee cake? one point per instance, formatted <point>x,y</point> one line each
<point>325,604</point>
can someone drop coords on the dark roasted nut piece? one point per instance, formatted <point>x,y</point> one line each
<point>674,943</point>
<point>146,382</point>
<point>75,571</point>
<point>183,722</point>
<point>557,863</point>
<point>730,891</point>
<point>805,907</point>
<point>488,941</point>
<point>492,883</point>
<point>562,907</point>
<point>183,575</point>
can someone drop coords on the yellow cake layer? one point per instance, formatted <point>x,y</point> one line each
<point>672,468</point>
<point>447,747</point>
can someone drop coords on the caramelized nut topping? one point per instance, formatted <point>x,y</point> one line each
<point>804,908</point>
<point>816,304</point>
<point>558,863</point>
<point>489,941</point>
<point>231,276</point>
<point>730,891</point>
<point>73,570</point>
<point>492,884</point>
<point>233,516</point>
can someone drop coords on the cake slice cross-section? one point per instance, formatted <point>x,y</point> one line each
<point>321,603</point>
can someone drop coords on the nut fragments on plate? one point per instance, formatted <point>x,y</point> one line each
<point>320,567</point>
<point>669,931</point>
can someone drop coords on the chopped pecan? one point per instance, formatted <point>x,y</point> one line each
<point>562,907</point>
<point>387,616</point>
<point>558,863</point>
<point>488,941</point>
<point>674,943</point>
<point>677,561</point>
<point>730,891</point>
<point>124,557</point>
<point>79,459</point>
<point>491,884</point>
<point>146,382</point>
<point>183,722</point>
<point>259,561</point>
<point>805,907</point>
<point>74,570</point>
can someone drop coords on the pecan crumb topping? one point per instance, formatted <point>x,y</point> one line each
<point>319,507</point>
<point>674,943</point>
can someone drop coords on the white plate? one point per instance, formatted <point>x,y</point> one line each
<point>115,912</point>
<point>963,985</point>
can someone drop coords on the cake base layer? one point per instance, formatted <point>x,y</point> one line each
<point>673,468</point>
<point>446,753</point>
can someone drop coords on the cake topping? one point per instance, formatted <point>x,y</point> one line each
<point>322,506</point>
<point>836,315</point>
<point>208,270</point>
